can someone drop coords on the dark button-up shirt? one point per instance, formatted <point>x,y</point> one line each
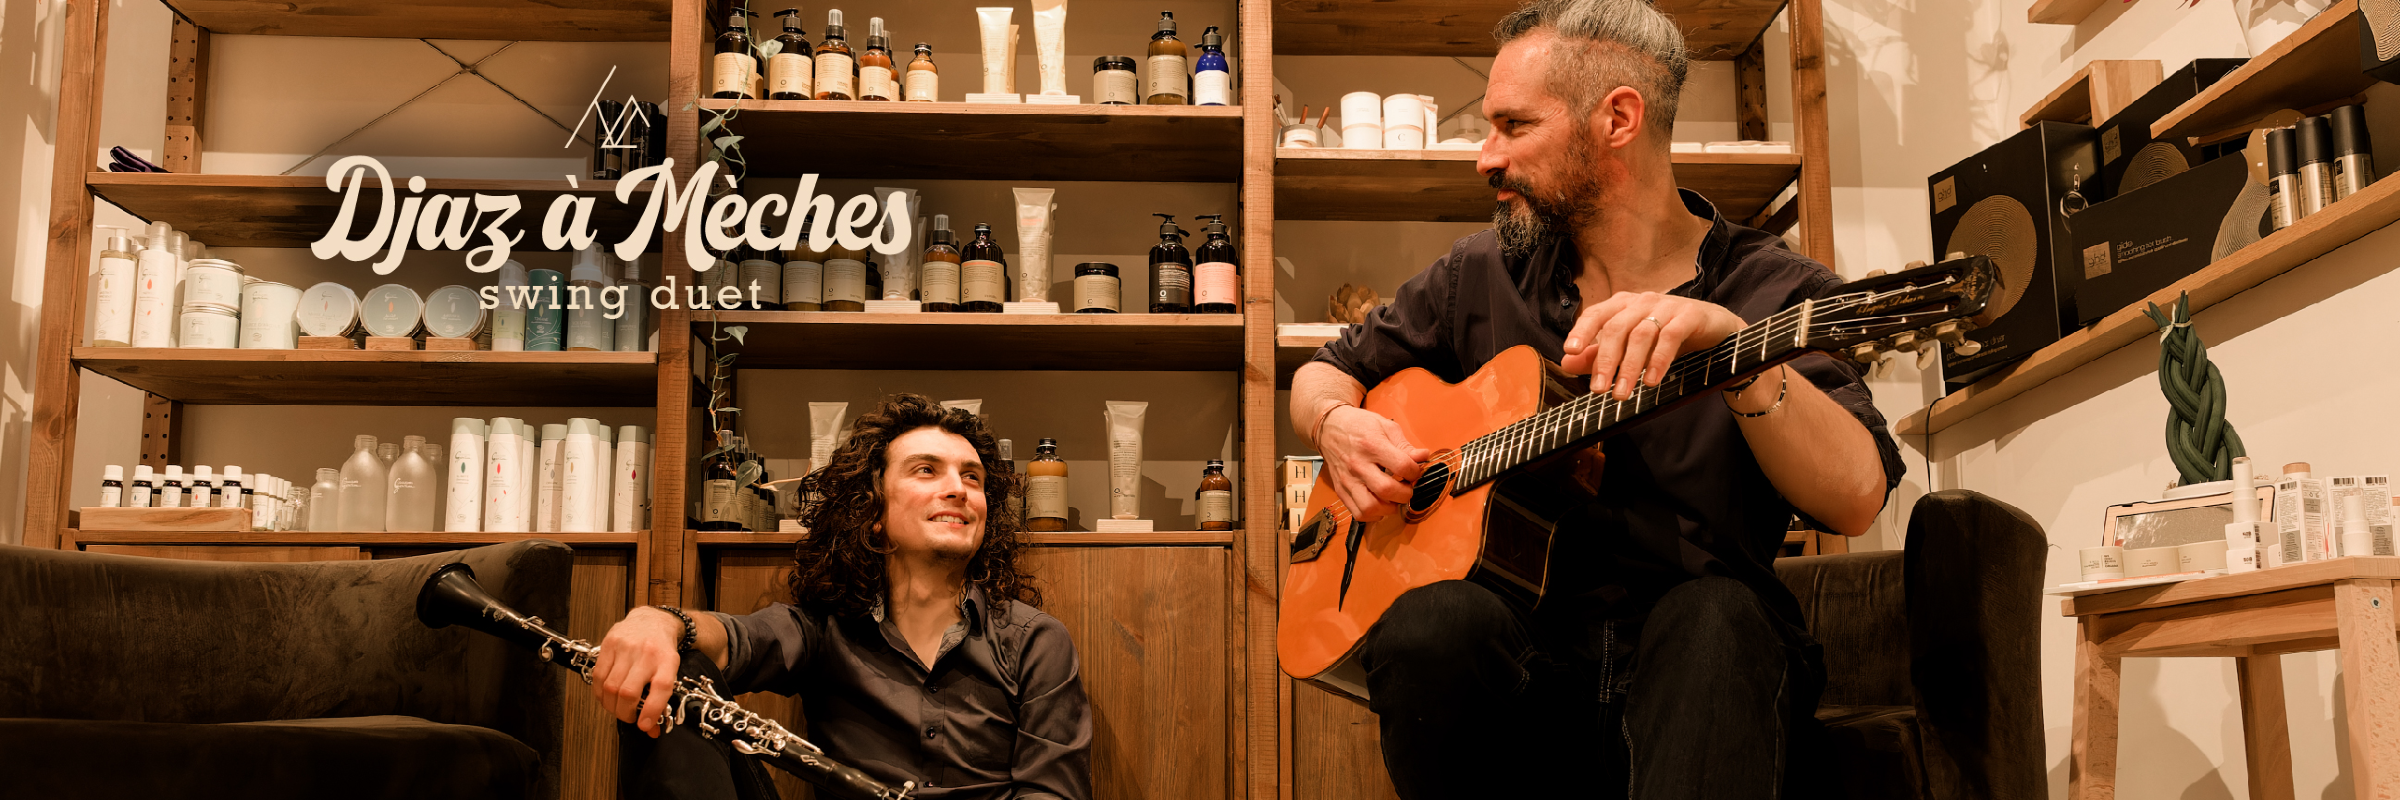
<point>1681,495</point>
<point>1000,715</point>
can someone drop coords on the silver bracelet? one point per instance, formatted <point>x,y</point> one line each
<point>1783,386</point>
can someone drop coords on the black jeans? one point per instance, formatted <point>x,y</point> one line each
<point>1702,696</point>
<point>682,764</point>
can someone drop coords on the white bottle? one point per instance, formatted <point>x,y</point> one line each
<point>411,488</point>
<point>363,479</point>
<point>170,488</point>
<point>576,483</point>
<point>633,328</point>
<point>588,325</point>
<point>503,477</point>
<point>229,488</point>
<point>264,510</point>
<point>633,466</point>
<point>545,501</point>
<point>112,486</point>
<point>200,490</point>
<point>604,469</point>
<point>508,320</point>
<point>2357,539</point>
<point>465,476</point>
<point>528,461</point>
<point>113,290</point>
<point>325,501</point>
<point>154,291</point>
<point>138,494</point>
<point>432,453</point>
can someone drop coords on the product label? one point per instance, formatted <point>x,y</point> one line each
<point>718,502</point>
<point>767,277</point>
<point>875,82</point>
<point>1213,282</point>
<point>790,73</point>
<point>2112,143</point>
<point>111,496</point>
<point>923,85</point>
<point>803,282</point>
<point>113,313</point>
<point>734,72</point>
<point>1168,76</point>
<point>1115,86</point>
<point>983,281</point>
<point>1216,506</point>
<point>1097,291</point>
<point>833,74</point>
<point>1171,284</point>
<point>141,497</point>
<point>232,497</point>
<point>1212,88</point>
<point>1945,194</point>
<point>2096,261</point>
<point>939,282</point>
<point>845,279</point>
<point>1046,496</point>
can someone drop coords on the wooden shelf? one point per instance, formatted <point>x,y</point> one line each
<point>2315,235</point>
<point>2061,12</point>
<point>2313,69</point>
<point>381,377</point>
<point>838,340</point>
<point>1714,30</point>
<point>1443,186</point>
<point>964,141</point>
<point>502,20</point>
<point>294,210</point>
<point>347,538</point>
<point>1065,539</point>
<point>2096,92</point>
<point>1293,351</point>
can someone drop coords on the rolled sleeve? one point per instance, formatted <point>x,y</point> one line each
<point>1054,718</point>
<point>1410,332</point>
<point>765,650</point>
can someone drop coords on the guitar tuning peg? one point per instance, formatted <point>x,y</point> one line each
<point>1954,256</point>
<point>1876,273</point>
<point>1919,263</point>
<point>1953,334</point>
<point>1927,355</point>
<point>1902,342</point>
<point>1968,347</point>
<point>1866,352</point>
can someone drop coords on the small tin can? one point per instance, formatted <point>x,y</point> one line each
<point>208,328</point>
<point>454,312</point>
<point>328,309</point>
<point>1113,81</point>
<point>214,283</point>
<point>268,310</point>
<point>392,310</point>
<point>1097,288</point>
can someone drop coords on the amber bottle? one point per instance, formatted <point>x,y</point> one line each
<point>837,72</point>
<point>1216,497</point>
<point>1046,489</point>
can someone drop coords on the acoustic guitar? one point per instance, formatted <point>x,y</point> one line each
<point>1503,473</point>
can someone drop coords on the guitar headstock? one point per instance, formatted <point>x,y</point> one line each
<point>1904,310</point>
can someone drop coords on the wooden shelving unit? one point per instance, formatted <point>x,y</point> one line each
<point>410,539</point>
<point>505,20</point>
<point>2315,235</point>
<point>2314,68</point>
<point>1293,351</point>
<point>294,210</point>
<point>1443,186</point>
<point>2096,92</point>
<point>837,340</point>
<point>975,141</point>
<point>2061,12</point>
<point>1714,30</point>
<point>377,377</point>
<point>1066,539</point>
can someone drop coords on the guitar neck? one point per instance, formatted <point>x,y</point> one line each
<point>1579,422</point>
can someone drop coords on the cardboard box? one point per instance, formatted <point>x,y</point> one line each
<point>2378,500</point>
<point>2130,159</point>
<point>2299,523</point>
<point>2005,203</point>
<point>2143,241</point>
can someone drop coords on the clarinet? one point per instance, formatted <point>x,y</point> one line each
<point>452,596</point>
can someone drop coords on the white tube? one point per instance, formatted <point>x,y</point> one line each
<point>633,459</point>
<point>154,291</point>
<point>2245,491</point>
<point>992,22</point>
<point>1125,458</point>
<point>2357,540</point>
<point>576,482</point>
<point>900,269</point>
<point>1033,243</point>
<point>465,476</point>
<point>1012,59</point>
<point>604,470</point>
<point>825,424</point>
<point>545,501</point>
<point>503,476</point>
<point>529,454</point>
<point>1050,44</point>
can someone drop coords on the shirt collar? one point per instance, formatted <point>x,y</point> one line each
<point>970,608</point>
<point>1564,261</point>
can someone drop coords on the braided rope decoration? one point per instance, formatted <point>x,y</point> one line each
<point>2199,440</point>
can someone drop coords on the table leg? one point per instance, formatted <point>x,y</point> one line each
<point>2371,668</point>
<point>2265,729</point>
<point>2092,766</point>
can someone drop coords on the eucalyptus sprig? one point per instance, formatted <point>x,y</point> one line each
<point>720,415</point>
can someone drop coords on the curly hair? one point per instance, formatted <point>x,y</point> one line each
<point>839,566</point>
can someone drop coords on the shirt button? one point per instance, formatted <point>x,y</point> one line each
<point>929,731</point>
<point>933,689</point>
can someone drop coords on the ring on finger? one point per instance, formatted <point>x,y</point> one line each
<point>1654,321</point>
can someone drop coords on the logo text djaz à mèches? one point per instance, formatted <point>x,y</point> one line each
<point>449,222</point>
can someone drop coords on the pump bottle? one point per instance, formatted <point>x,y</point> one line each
<point>113,290</point>
<point>1216,277</point>
<point>154,291</point>
<point>1212,80</point>
<point>503,476</point>
<point>836,70</point>
<point>1170,60</point>
<point>464,476</point>
<point>1170,270</point>
<point>791,70</point>
<point>875,65</point>
<point>734,65</point>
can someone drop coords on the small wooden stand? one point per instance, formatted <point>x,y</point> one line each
<point>444,343</point>
<point>391,343</point>
<point>165,519</point>
<point>328,343</point>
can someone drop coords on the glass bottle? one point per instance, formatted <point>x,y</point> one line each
<point>1216,274</point>
<point>1170,76</point>
<point>734,65</point>
<point>836,71</point>
<point>1216,497</point>
<point>139,496</point>
<point>112,289</point>
<point>982,273</point>
<point>791,70</point>
<point>387,452</point>
<point>325,501</point>
<point>875,65</point>
<point>1170,270</point>
<point>1046,489</point>
<point>938,276</point>
<point>1212,79</point>
<point>411,486</point>
<point>364,478</point>
<point>924,81</point>
<point>717,497</point>
<point>112,486</point>
<point>845,279</point>
<point>170,488</point>
<point>803,275</point>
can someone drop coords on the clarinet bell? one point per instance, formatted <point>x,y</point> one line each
<point>453,597</point>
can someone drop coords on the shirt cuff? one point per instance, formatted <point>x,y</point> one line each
<point>737,646</point>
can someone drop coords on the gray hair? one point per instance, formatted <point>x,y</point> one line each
<point>1605,44</point>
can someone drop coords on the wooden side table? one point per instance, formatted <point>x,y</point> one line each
<point>2253,618</point>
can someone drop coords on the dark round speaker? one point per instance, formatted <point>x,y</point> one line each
<point>1999,227</point>
<point>2156,161</point>
<point>2387,35</point>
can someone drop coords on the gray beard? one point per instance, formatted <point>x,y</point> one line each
<point>1544,220</point>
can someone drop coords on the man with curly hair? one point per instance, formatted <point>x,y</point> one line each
<point>916,646</point>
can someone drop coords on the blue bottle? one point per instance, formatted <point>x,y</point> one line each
<point>1212,82</point>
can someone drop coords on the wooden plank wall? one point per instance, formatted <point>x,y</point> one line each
<point>1343,756</point>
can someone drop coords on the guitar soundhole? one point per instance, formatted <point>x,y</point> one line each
<point>1432,485</point>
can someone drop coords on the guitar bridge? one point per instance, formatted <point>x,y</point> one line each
<point>1310,541</point>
